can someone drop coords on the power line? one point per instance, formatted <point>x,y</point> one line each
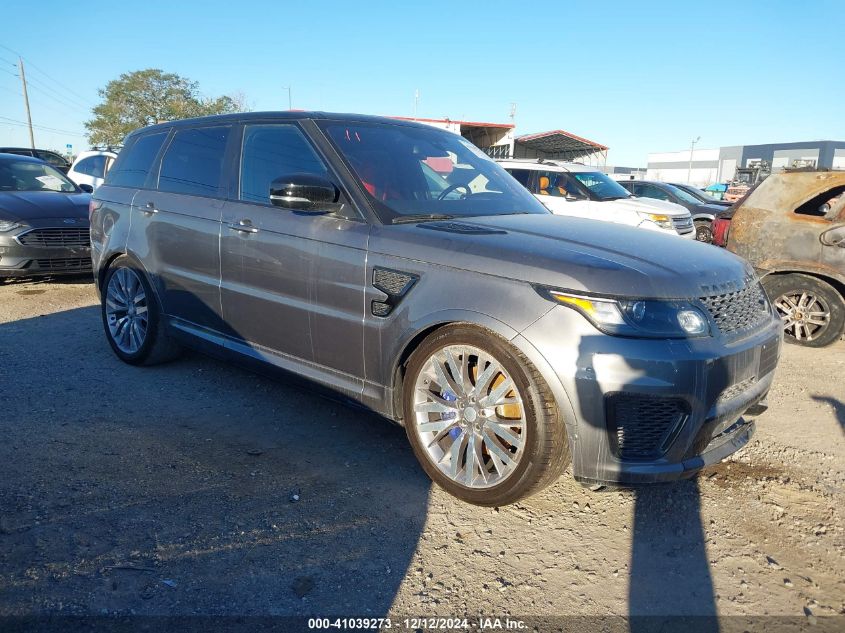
<point>67,104</point>
<point>39,82</point>
<point>55,81</point>
<point>40,127</point>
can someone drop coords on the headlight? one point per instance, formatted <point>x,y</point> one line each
<point>637,317</point>
<point>8,225</point>
<point>663,221</point>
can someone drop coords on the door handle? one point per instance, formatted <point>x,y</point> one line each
<point>243,226</point>
<point>150,208</point>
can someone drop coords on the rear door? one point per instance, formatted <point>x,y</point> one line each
<point>292,281</point>
<point>176,225</point>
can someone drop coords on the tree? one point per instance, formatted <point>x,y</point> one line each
<point>146,97</point>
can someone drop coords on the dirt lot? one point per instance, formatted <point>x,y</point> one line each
<point>197,487</point>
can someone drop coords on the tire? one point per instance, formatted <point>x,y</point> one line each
<point>142,338</point>
<point>793,292</point>
<point>538,448</point>
<point>704,231</point>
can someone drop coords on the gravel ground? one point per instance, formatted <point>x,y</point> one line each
<point>197,487</point>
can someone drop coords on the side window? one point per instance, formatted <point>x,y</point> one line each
<point>523,176</point>
<point>650,191</point>
<point>52,158</point>
<point>92,166</point>
<point>827,205</point>
<point>134,162</point>
<point>270,151</point>
<point>193,162</point>
<point>555,183</point>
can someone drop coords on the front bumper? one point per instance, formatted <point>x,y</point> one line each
<point>650,410</point>
<point>18,259</point>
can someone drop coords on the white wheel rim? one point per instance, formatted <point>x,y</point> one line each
<point>469,416</point>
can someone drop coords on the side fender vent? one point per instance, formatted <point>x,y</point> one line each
<point>395,284</point>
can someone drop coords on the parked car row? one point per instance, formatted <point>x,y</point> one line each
<point>397,266</point>
<point>577,190</point>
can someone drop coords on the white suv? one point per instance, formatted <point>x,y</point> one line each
<point>91,167</point>
<point>585,192</point>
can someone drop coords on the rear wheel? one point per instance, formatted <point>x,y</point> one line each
<point>480,418</point>
<point>131,317</point>
<point>813,312</point>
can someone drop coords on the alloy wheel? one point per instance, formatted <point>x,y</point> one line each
<point>805,315</point>
<point>469,416</point>
<point>126,310</point>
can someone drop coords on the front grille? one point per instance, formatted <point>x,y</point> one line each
<point>642,427</point>
<point>736,312</point>
<point>67,263</point>
<point>682,224</point>
<point>56,238</point>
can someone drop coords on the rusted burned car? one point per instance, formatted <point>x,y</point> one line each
<point>792,230</point>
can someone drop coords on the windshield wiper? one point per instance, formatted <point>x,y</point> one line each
<point>420,217</point>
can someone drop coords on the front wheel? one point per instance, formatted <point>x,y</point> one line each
<point>481,419</point>
<point>812,311</point>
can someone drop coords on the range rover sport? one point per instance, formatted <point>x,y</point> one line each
<point>398,266</point>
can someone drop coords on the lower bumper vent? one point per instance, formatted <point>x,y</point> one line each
<point>642,427</point>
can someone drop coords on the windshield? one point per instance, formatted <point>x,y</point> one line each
<point>411,171</point>
<point>601,186</point>
<point>27,175</point>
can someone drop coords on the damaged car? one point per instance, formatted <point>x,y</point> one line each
<point>400,268</point>
<point>791,228</point>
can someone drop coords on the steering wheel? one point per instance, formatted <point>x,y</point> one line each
<point>452,188</point>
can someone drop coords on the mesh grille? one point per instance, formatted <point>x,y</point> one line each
<point>68,238</point>
<point>641,427</point>
<point>381,309</point>
<point>70,263</point>
<point>734,390</point>
<point>390,281</point>
<point>736,312</point>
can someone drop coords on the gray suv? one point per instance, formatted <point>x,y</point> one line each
<point>397,266</point>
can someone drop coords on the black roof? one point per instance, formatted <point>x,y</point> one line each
<point>289,115</point>
<point>17,157</point>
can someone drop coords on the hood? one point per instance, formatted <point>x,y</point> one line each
<point>32,207</point>
<point>711,209</point>
<point>650,205</point>
<point>570,253</point>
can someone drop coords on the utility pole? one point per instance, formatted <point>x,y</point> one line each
<point>691,150</point>
<point>26,103</point>
<point>416,101</point>
<point>290,101</point>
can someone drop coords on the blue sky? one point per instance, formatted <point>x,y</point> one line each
<point>636,76</point>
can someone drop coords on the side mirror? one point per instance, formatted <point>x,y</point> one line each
<point>305,192</point>
<point>86,188</point>
<point>572,198</point>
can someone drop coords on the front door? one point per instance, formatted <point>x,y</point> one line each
<point>293,282</point>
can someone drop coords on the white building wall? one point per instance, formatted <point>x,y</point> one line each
<point>675,166</point>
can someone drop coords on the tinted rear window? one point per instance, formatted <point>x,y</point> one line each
<point>134,162</point>
<point>193,162</point>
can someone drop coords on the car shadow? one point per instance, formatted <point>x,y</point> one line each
<point>75,278</point>
<point>838,408</point>
<point>670,586</point>
<point>193,487</point>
